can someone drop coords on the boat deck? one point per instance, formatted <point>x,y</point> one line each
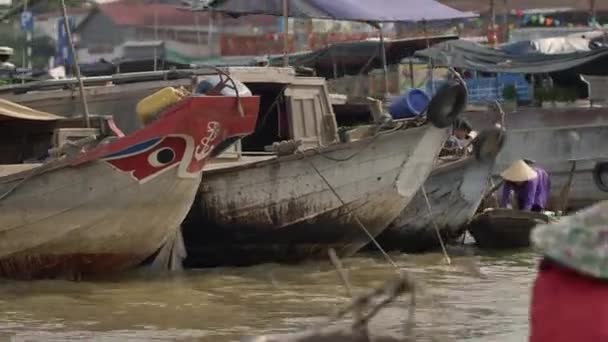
<point>219,164</point>
<point>10,169</point>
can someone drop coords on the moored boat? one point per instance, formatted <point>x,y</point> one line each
<point>117,202</point>
<point>323,193</point>
<point>505,228</point>
<point>455,190</point>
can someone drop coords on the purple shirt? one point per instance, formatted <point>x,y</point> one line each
<point>531,194</point>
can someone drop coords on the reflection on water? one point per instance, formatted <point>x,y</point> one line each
<point>478,298</point>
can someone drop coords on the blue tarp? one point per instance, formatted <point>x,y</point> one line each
<point>349,10</point>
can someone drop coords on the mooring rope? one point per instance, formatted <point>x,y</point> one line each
<point>359,223</point>
<point>436,226</point>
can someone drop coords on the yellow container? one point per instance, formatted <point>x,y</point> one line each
<point>150,106</point>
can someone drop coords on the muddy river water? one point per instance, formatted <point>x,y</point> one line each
<point>477,298</point>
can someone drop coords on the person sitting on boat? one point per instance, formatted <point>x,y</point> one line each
<point>570,292</point>
<point>462,135</point>
<point>527,185</point>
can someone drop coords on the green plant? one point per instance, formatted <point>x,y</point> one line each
<point>509,93</point>
<point>540,95</point>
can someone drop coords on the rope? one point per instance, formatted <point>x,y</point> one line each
<point>361,225</point>
<point>439,237</point>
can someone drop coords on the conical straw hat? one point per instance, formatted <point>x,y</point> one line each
<point>519,171</point>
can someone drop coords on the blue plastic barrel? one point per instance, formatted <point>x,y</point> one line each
<point>411,104</point>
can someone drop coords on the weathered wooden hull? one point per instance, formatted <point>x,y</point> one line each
<point>284,211</point>
<point>112,206</point>
<point>88,221</point>
<point>504,228</point>
<point>455,191</point>
<point>552,137</point>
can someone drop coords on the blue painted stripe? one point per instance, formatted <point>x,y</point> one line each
<point>134,149</point>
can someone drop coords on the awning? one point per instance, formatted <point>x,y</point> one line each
<point>12,111</point>
<point>472,56</point>
<point>376,11</point>
<point>359,57</point>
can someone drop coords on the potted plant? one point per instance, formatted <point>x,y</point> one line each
<point>509,95</point>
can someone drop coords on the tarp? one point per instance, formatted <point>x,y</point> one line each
<point>348,10</point>
<point>472,56</point>
<point>11,111</point>
<point>359,57</point>
<point>549,46</point>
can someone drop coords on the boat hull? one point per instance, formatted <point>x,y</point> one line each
<point>504,228</point>
<point>283,210</point>
<point>108,207</point>
<point>89,221</point>
<point>455,191</point>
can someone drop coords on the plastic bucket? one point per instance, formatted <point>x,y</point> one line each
<point>411,104</point>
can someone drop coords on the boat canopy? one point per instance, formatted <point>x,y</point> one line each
<point>359,57</point>
<point>375,11</point>
<point>12,111</point>
<point>473,56</point>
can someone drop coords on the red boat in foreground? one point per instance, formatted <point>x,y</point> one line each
<point>110,207</point>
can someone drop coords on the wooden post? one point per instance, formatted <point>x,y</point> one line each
<point>565,193</point>
<point>492,18</point>
<point>83,97</point>
<point>506,21</point>
<point>285,33</point>
<point>412,78</point>
<point>155,39</point>
<point>210,46</point>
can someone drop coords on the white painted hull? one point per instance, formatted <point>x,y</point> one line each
<point>552,138</point>
<point>455,191</point>
<point>552,149</point>
<point>88,220</point>
<point>283,210</point>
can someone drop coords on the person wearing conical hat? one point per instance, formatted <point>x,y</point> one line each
<point>528,185</point>
<point>570,292</point>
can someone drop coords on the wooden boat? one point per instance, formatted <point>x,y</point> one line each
<point>115,95</point>
<point>455,190</point>
<point>505,228</point>
<point>110,207</point>
<point>326,194</point>
<point>555,138</point>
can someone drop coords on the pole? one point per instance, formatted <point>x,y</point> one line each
<point>27,49</point>
<point>210,34</point>
<point>506,20</point>
<point>155,38</point>
<point>492,18</point>
<point>384,63</point>
<point>83,97</point>
<point>592,12</point>
<point>430,66</point>
<point>285,32</point>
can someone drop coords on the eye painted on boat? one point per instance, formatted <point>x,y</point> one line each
<point>161,157</point>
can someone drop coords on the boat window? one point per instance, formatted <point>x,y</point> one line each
<point>271,126</point>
